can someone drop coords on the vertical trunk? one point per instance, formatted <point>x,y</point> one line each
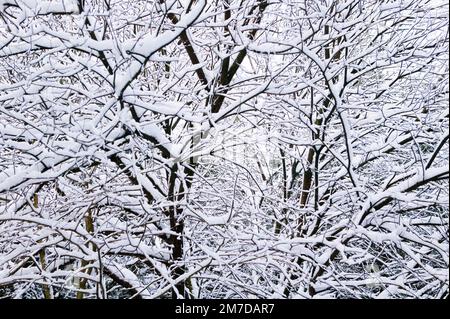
<point>176,239</point>
<point>177,253</point>
<point>89,224</point>
<point>312,157</point>
<point>311,174</point>
<point>42,256</point>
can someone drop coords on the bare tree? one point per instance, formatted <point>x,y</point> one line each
<point>197,149</point>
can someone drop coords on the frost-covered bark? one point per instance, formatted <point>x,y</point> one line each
<point>199,149</point>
